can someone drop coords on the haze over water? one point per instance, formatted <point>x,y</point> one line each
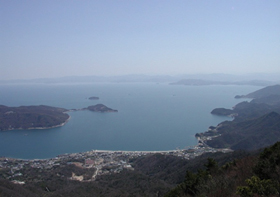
<point>150,117</point>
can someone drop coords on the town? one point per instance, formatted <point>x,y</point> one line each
<point>92,163</point>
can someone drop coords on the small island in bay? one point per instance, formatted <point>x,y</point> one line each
<point>32,117</point>
<point>100,108</point>
<point>93,98</point>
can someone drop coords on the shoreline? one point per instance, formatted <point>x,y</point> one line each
<point>41,128</point>
<point>200,146</point>
<point>105,151</point>
<point>192,152</point>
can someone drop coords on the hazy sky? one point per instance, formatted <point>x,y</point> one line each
<point>51,38</point>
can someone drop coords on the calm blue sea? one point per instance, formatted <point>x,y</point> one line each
<point>150,117</point>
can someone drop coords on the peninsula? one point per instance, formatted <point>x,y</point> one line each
<point>32,117</point>
<point>256,124</point>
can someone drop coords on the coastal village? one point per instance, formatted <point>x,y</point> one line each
<point>95,162</point>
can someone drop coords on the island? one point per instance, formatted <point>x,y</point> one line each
<point>40,117</point>
<point>93,98</point>
<point>32,117</point>
<point>100,108</point>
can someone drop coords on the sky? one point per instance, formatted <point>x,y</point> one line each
<point>47,39</point>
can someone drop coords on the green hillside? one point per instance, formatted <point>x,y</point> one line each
<point>30,117</point>
<point>254,175</point>
<point>250,134</point>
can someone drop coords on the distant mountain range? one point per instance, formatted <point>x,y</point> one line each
<point>199,82</point>
<point>192,79</point>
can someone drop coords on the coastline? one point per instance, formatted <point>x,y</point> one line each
<point>188,153</point>
<point>99,160</point>
<point>60,125</point>
<point>42,128</point>
<point>200,148</point>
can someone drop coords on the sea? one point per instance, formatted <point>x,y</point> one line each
<point>150,117</point>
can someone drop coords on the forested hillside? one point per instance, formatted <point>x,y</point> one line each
<point>255,175</point>
<point>255,124</point>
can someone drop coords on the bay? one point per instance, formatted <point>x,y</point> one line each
<point>150,116</point>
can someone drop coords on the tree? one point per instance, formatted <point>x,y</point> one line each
<point>264,187</point>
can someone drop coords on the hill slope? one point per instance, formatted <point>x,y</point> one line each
<point>269,90</point>
<point>256,175</point>
<point>256,123</point>
<point>250,134</point>
<point>31,117</point>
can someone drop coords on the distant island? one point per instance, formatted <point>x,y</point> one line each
<point>93,98</point>
<point>32,117</point>
<point>100,108</point>
<point>96,108</point>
